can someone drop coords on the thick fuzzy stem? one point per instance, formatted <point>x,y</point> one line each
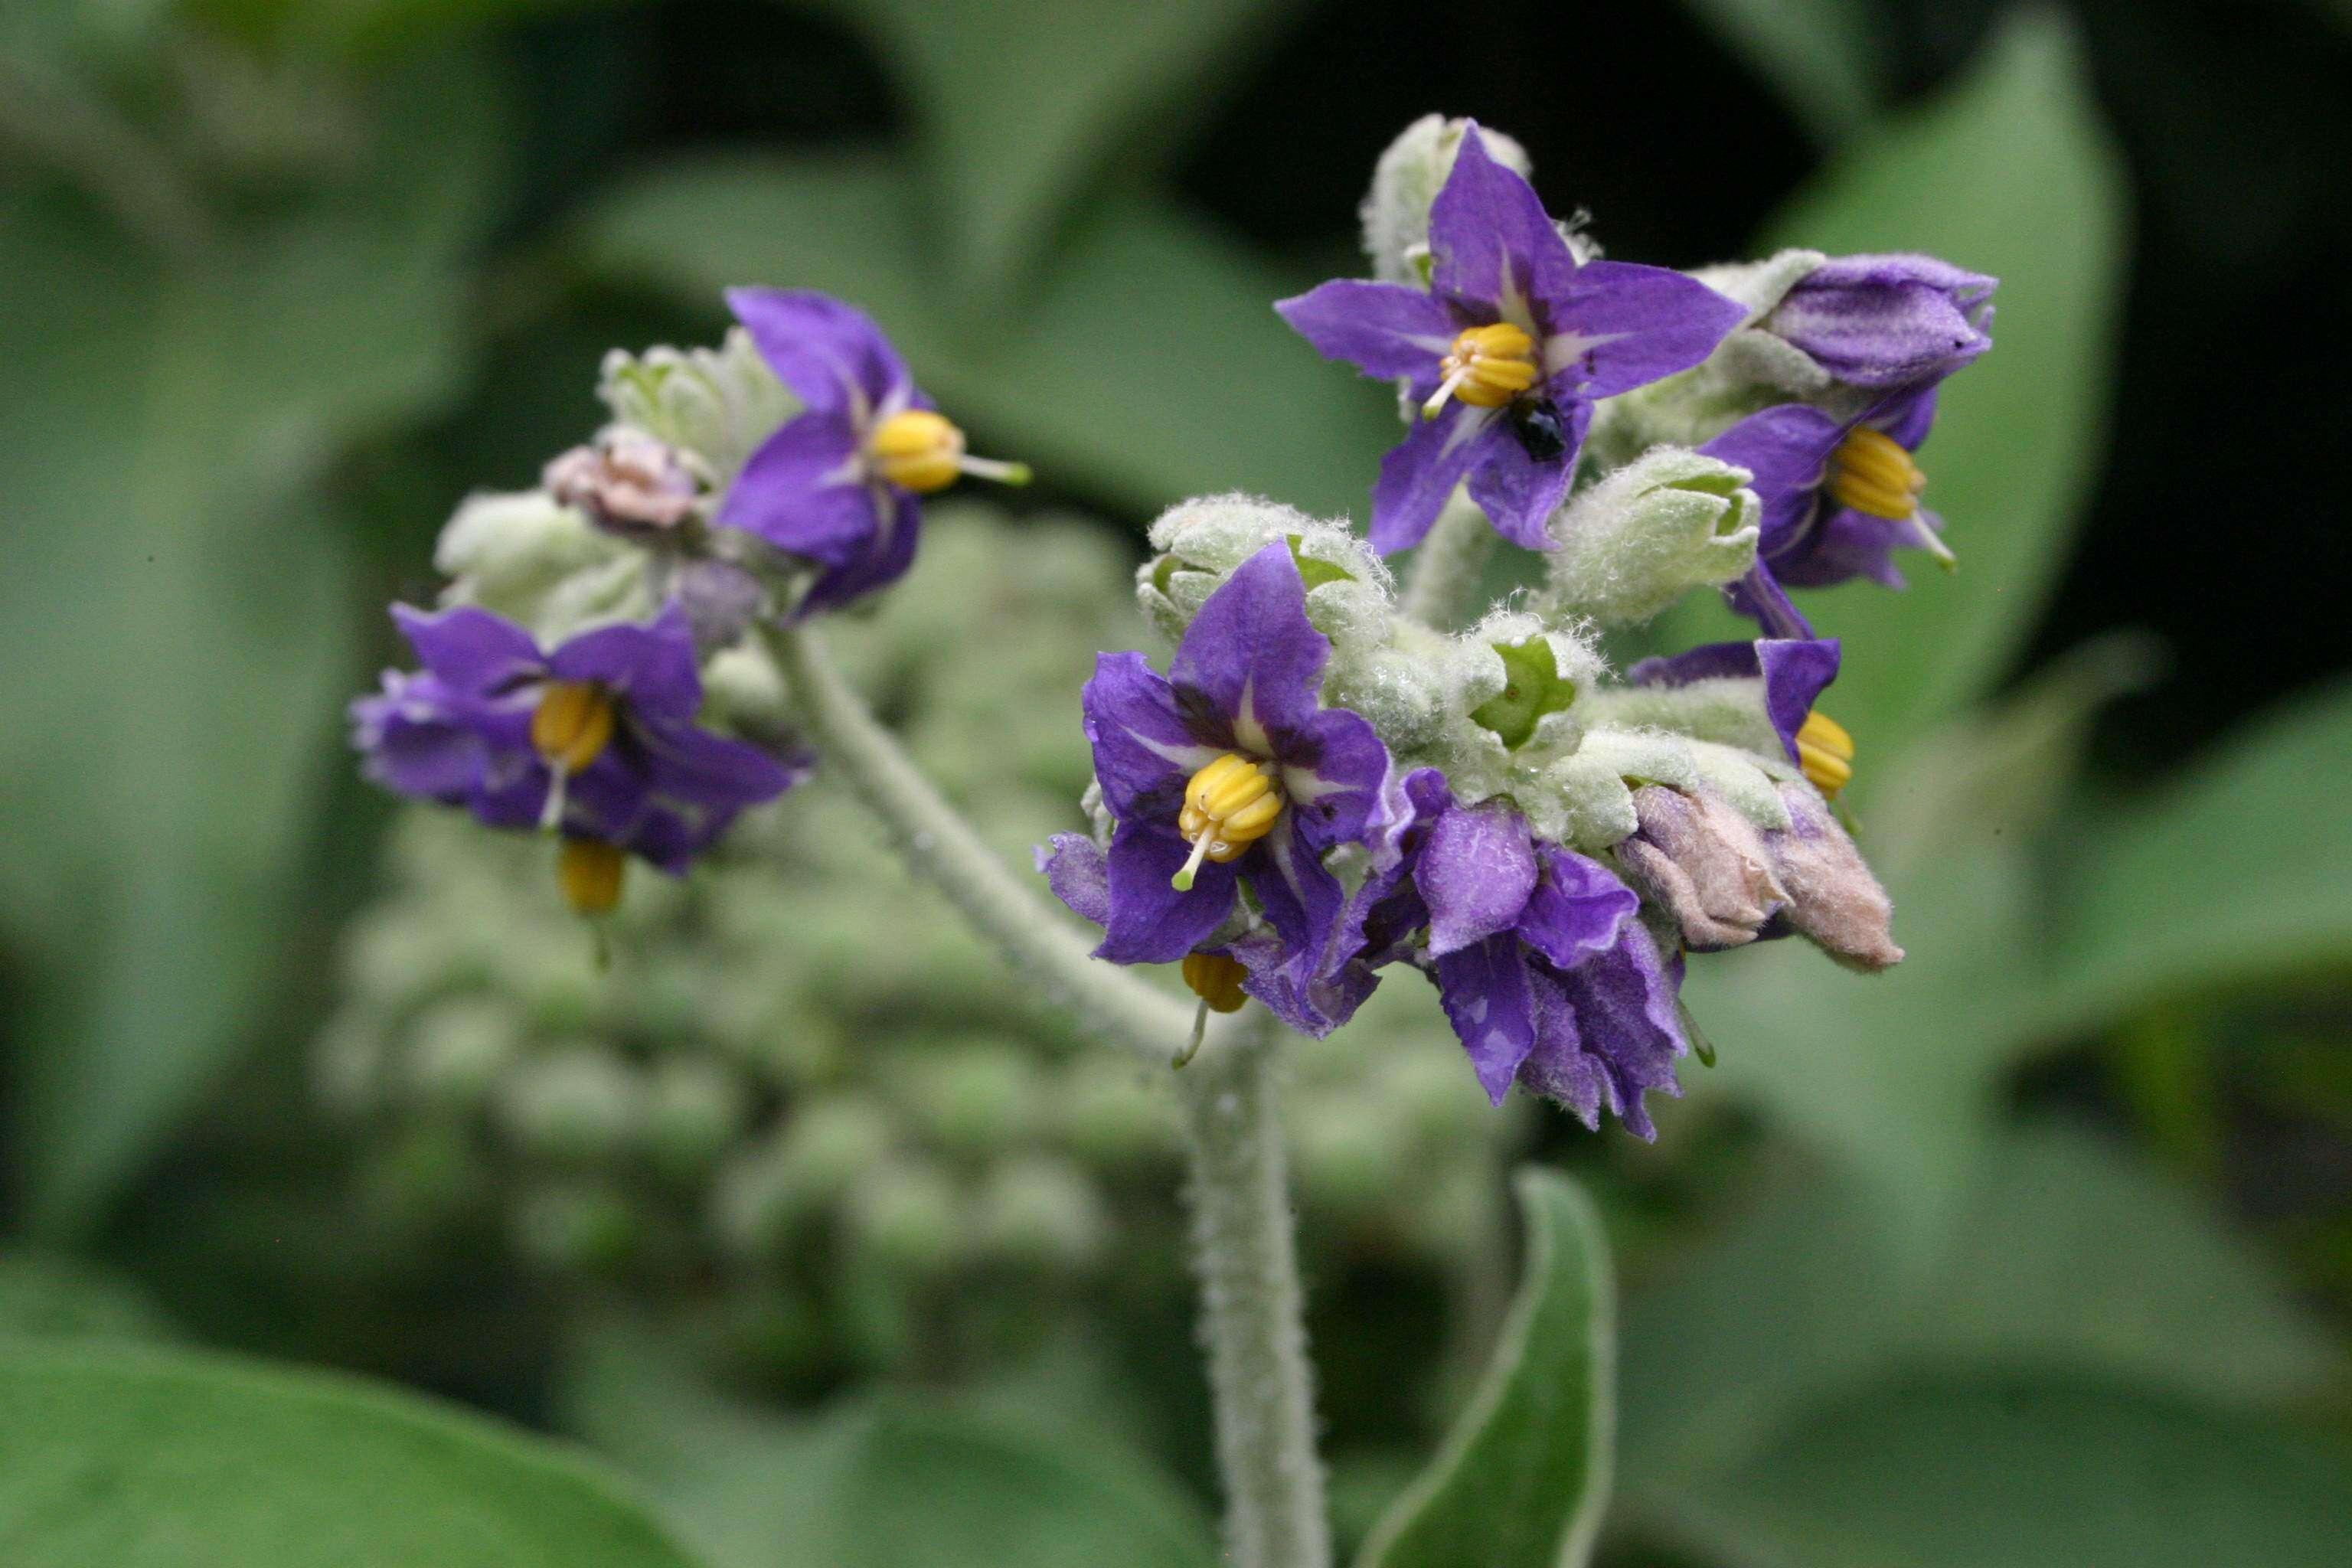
<point>1448,565</point>
<point>940,845</point>
<point>1251,1305</point>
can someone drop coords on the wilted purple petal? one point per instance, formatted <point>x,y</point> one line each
<point>1486,993</point>
<point>1079,874</point>
<point>1578,907</point>
<point>1476,872</point>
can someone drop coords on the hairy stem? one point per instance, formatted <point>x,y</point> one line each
<point>1250,1304</point>
<point>1448,565</point>
<point>940,845</point>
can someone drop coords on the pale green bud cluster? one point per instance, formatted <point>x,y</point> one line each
<point>717,404</point>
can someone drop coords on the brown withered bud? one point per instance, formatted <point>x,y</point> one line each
<point>1833,899</point>
<point>626,482</point>
<point>1702,863</point>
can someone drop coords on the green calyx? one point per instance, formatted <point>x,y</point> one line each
<point>1533,686</point>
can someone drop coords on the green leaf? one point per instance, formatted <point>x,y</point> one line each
<point>2069,1254</point>
<point>1824,56</point>
<point>2234,872</point>
<point>1523,1478</point>
<point>1021,103</point>
<point>1956,1472</point>
<point>109,1458</point>
<point>45,1295</point>
<point>2011,173</point>
<point>1150,367</point>
<point>881,1483</point>
<point>178,584</point>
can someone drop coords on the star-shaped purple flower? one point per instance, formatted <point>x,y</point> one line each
<point>1506,351</point>
<point>1228,772</point>
<point>841,484</point>
<point>597,739</point>
<point>1839,498</point>
<point>1541,958</point>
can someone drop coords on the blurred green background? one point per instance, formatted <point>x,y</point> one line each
<point>2038,1251</point>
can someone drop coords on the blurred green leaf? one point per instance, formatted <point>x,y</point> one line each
<point>2235,872</point>
<point>1823,56</point>
<point>46,1295</point>
<point>1958,1472</point>
<point>1150,367</point>
<point>113,1457</point>
<point>879,1483</point>
<point>1020,103</point>
<point>1523,1478</point>
<point>2069,1256</point>
<point>2011,173</point>
<point>178,584</point>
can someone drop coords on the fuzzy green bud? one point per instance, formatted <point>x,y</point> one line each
<point>1202,540</point>
<point>717,404</point>
<point>541,565</point>
<point>1633,544</point>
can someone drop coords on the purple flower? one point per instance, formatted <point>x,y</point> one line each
<point>597,739</point>
<point>1506,351</point>
<point>1839,498</point>
<point>840,484</point>
<point>1795,672</point>
<point>1886,322</point>
<point>1541,958</point>
<point>1230,771</point>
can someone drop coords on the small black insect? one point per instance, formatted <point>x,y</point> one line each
<point>1539,430</point>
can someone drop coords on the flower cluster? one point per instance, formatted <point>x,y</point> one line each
<point>1323,787</point>
<point>567,683</point>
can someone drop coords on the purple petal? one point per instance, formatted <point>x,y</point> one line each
<point>1519,490</point>
<point>1787,451</point>
<point>1487,998</point>
<point>1252,660</point>
<point>1386,330</point>
<point>1144,749</point>
<point>414,745</point>
<point>1844,544</point>
<point>686,763</point>
<point>1578,908</point>
<point>1905,415</point>
<point>1476,871</point>
<point>805,491</point>
<point>1625,1017</point>
<point>1887,320</point>
<point>882,561</point>
<point>651,666</point>
<point>1079,874</point>
<point>1611,326</point>
<point>1758,593</point>
<point>1150,922</point>
<point>1302,901</point>
<point>1313,1006</point>
<point>832,354</point>
<point>1335,771</point>
<point>472,651</point>
<point>1421,471</point>
<point>1495,249</point>
<point>1795,672</point>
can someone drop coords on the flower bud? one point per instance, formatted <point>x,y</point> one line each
<point>626,482</point>
<point>1885,322</point>
<point>1703,864</point>
<point>1833,899</point>
<point>1633,544</point>
<point>717,404</point>
<point>1405,183</point>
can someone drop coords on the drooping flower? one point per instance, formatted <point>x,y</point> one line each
<point>1541,960</point>
<point>597,739</point>
<point>1504,352</point>
<point>1839,498</point>
<point>1881,322</point>
<point>1228,772</point>
<point>841,484</point>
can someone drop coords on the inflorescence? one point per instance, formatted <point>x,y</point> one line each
<point>1322,785</point>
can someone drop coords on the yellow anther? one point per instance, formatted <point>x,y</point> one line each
<point>572,724</point>
<point>1488,367</point>
<point>1216,980</point>
<point>1872,473</point>
<point>589,871</point>
<point>1228,805</point>
<point>1825,752</point>
<point>920,450</point>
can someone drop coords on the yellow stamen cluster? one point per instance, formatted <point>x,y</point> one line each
<point>1215,980</point>
<point>921,450</point>
<point>572,724</point>
<point>1872,473</point>
<point>589,871</point>
<point>1228,806</point>
<point>1826,753</point>
<point>1488,367</point>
